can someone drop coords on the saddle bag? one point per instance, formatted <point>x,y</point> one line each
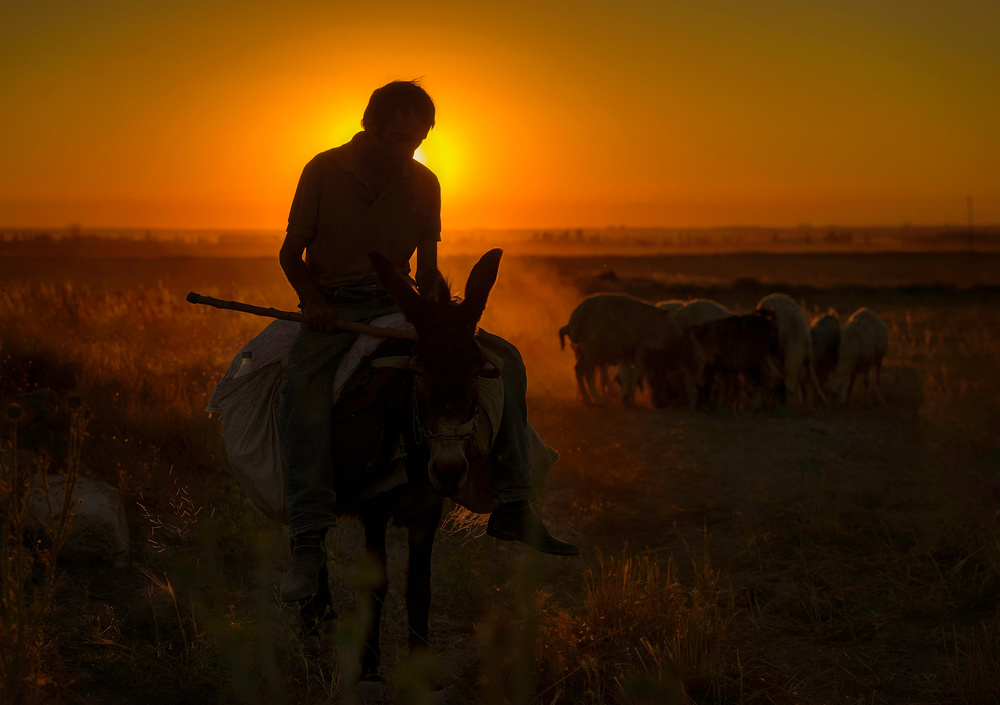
<point>247,400</point>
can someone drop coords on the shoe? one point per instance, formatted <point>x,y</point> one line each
<point>517,521</point>
<point>302,577</point>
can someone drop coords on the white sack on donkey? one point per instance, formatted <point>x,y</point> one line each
<point>247,399</point>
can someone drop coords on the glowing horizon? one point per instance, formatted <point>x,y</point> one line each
<point>560,115</point>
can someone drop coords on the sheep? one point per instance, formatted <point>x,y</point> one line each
<point>864,342</point>
<point>685,314</point>
<point>744,345</point>
<point>612,329</point>
<point>676,372</point>
<point>584,367</point>
<point>796,344</point>
<point>670,304</point>
<point>825,336</point>
<point>698,311</point>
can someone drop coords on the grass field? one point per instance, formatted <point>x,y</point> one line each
<point>825,555</point>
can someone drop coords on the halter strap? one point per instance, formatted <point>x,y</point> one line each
<point>462,433</point>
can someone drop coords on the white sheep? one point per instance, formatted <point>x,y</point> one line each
<point>670,304</point>
<point>698,312</point>
<point>686,314</point>
<point>864,342</point>
<point>612,329</point>
<point>795,342</point>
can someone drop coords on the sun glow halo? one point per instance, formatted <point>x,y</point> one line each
<point>438,155</point>
<point>335,125</point>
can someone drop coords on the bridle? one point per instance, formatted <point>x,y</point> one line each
<point>463,433</point>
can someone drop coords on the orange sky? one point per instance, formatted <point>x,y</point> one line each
<point>570,113</point>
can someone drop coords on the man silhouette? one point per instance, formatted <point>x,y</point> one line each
<point>371,195</point>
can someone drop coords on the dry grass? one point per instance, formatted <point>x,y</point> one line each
<point>972,665</point>
<point>29,574</point>
<point>842,555</point>
<point>639,630</point>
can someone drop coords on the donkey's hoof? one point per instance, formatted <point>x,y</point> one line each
<point>371,691</point>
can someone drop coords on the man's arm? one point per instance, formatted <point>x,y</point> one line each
<point>320,316</point>
<point>427,261</point>
<point>427,249</point>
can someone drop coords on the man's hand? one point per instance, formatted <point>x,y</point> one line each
<point>320,316</point>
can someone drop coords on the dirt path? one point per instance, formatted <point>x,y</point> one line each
<point>829,523</point>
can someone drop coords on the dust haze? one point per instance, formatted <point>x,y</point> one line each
<point>528,306</point>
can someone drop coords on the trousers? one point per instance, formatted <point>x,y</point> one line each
<point>306,414</point>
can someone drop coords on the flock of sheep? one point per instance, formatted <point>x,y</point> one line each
<point>699,352</point>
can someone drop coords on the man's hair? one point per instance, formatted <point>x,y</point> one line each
<point>396,97</point>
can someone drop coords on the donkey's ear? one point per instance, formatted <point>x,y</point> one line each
<point>401,291</point>
<point>481,281</point>
<point>433,287</point>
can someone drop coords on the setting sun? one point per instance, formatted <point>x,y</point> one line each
<point>654,114</point>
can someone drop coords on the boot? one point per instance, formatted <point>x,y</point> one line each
<point>308,558</point>
<point>517,521</point>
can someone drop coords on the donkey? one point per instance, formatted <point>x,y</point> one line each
<point>428,409</point>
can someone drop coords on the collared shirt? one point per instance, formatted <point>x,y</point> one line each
<point>343,219</point>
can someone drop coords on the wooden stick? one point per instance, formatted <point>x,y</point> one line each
<point>375,331</point>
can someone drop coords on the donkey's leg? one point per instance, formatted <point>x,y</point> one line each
<point>418,575</point>
<point>371,656</point>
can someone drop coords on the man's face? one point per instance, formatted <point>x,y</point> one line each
<point>394,143</point>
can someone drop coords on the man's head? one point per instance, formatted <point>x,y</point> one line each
<point>398,97</point>
<point>398,117</point>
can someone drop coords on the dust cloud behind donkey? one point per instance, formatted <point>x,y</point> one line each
<point>527,306</point>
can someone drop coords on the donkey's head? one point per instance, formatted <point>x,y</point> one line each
<point>446,363</point>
